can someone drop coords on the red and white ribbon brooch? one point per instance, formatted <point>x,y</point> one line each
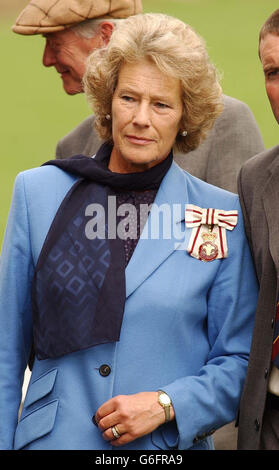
<point>208,239</point>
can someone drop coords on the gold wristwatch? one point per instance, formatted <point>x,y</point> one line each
<point>165,402</point>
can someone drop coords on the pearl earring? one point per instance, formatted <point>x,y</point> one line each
<point>184,133</point>
<point>108,117</point>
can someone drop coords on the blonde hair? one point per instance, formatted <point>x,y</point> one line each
<point>178,51</point>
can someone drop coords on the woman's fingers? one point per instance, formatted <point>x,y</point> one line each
<point>114,432</point>
<point>105,409</point>
<point>108,421</point>
<point>133,416</point>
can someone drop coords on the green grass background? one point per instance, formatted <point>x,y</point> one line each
<point>36,112</point>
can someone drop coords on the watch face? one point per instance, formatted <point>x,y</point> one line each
<point>164,399</point>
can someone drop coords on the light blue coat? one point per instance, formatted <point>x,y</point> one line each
<point>186,329</point>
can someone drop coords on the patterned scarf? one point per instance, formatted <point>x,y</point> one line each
<point>78,292</point>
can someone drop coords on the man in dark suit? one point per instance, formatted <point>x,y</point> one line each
<point>73,29</point>
<point>259,193</point>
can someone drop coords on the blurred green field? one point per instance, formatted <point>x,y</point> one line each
<point>36,112</point>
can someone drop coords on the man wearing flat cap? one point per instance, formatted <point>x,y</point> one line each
<point>73,29</point>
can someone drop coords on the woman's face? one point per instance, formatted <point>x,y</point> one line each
<point>146,115</point>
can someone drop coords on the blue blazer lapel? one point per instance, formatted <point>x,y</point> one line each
<point>151,252</point>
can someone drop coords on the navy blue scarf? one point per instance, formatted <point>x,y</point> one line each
<point>79,291</point>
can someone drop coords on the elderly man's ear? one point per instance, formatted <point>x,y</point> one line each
<point>106,29</point>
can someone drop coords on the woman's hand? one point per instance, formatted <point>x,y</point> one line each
<point>134,416</point>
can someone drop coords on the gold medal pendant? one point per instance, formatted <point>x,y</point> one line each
<point>208,251</point>
<point>208,239</point>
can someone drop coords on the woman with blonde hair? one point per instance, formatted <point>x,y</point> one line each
<point>125,281</point>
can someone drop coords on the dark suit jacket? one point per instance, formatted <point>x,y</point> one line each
<point>234,138</point>
<point>259,194</point>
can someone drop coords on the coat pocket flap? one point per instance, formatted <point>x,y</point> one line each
<point>35,425</point>
<point>40,387</point>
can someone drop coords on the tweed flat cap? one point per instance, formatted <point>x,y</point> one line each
<point>48,16</point>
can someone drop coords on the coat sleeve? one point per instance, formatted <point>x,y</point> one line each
<point>207,401</point>
<point>236,139</point>
<point>16,272</point>
<point>82,140</point>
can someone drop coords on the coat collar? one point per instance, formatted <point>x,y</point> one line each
<point>150,253</point>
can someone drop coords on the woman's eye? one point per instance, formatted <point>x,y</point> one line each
<point>161,105</point>
<point>127,98</point>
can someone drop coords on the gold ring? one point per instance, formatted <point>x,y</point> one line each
<point>115,432</point>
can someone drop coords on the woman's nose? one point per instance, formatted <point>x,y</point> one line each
<point>142,115</point>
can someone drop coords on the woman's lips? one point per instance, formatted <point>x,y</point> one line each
<point>139,140</point>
